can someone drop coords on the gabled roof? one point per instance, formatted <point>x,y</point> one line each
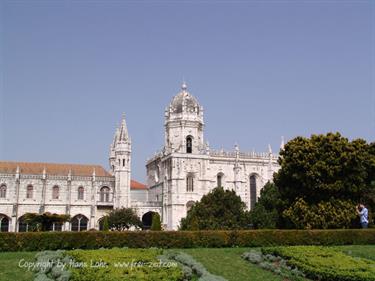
<point>31,168</point>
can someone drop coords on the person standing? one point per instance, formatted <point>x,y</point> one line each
<point>363,215</point>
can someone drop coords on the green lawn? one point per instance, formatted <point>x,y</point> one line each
<point>9,269</point>
<point>361,251</point>
<point>227,262</point>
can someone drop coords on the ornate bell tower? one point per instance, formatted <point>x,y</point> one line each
<point>120,162</point>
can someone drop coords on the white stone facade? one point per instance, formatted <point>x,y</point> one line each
<point>177,176</point>
<point>186,168</point>
<point>19,200</point>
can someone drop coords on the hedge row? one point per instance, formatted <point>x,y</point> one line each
<point>37,241</point>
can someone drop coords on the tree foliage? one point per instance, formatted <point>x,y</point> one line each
<point>156,222</point>
<point>123,219</point>
<point>266,211</point>
<point>219,209</point>
<point>105,223</point>
<point>321,176</point>
<point>44,222</point>
<point>335,213</point>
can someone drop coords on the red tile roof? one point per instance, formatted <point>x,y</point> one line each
<point>52,169</point>
<point>137,185</point>
<point>10,167</point>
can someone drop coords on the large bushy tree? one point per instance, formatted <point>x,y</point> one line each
<point>123,219</point>
<point>325,175</point>
<point>219,209</point>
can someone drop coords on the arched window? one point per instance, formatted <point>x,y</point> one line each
<point>81,192</point>
<point>101,223</point>
<point>219,179</point>
<point>79,223</point>
<point>189,183</point>
<point>55,192</point>
<point>189,144</point>
<point>189,205</point>
<point>104,194</point>
<point>253,191</point>
<point>29,191</point>
<point>3,191</point>
<point>147,219</point>
<point>4,223</point>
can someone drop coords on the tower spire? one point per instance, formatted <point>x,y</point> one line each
<point>123,130</point>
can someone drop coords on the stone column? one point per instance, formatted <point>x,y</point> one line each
<point>93,202</point>
<point>15,205</point>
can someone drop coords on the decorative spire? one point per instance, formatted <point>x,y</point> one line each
<point>115,137</point>
<point>123,132</point>
<point>18,173</point>
<point>269,149</point>
<point>282,143</point>
<point>236,147</point>
<point>93,175</point>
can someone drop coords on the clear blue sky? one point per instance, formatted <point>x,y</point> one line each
<point>262,70</point>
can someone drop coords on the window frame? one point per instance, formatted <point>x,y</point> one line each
<point>29,191</point>
<point>81,193</point>
<point>3,191</point>
<point>55,192</point>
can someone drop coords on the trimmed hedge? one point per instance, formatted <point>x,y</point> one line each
<point>38,241</point>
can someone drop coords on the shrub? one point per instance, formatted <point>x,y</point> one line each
<point>105,224</point>
<point>274,264</point>
<point>39,241</point>
<point>51,266</point>
<point>325,264</point>
<point>156,223</point>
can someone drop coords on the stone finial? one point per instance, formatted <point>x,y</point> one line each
<point>269,149</point>
<point>18,173</point>
<point>44,176</point>
<point>70,175</point>
<point>236,147</point>
<point>183,86</point>
<point>282,145</point>
<point>93,175</point>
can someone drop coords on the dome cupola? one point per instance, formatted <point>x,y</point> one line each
<point>184,102</point>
